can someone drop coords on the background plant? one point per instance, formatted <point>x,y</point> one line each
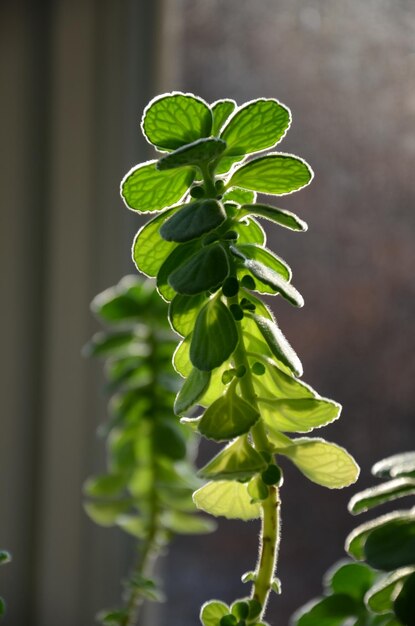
<point>209,256</point>
<point>4,558</point>
<point>147,490</point>
<point>379,591</point>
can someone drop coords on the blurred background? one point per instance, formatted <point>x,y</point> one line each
<point>75,76</point>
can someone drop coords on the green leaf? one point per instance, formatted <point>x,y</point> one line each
<point>278,344</point>
<point>147,190</point>
<point>170,441</point>
<point>355,541</point>
<point>396,465</point>
<point>2,607</point>
<point>380,597</point>
<point>192,390</point>
<point>214,337</point>
<point>121,342</point>
<point>193,220</point>
<point>257,125</point>
<point>275,384</point>
<point>276,174</point>
<point>272,279</point>
<point>240,196</point>
<point>179,256</point>
<point>351,579</point>
<point>212,612</point>
<point>298,414</point>
<point>330,611</point>
<point>264,256</point>
<point>196,153</point>
<point>206,270</point>
<point>221,110</point>
<point>238,461</point>
<point>5,557</point>
<point>228,417</point>
<point>404,603</point>
<point>184,524</point>
<point>106,513</point>
<point>149,249</point>
<point>174,119</point>
<point>391,490</point>
<point>391,546</point>
<point>112,618</point>
<point>181,360</point>
<point>278,216</point>
<point>226,498</point>
<point>106,485</point>
<point>183,311</point>
<point>133,525</point>
<point>249,231</point>
<point>322,462</point>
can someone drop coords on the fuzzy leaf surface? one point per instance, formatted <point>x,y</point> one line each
<point>205,270</point>
<point>221,110</point>
<point>228,417</point>
<point>149,249</point>
<point>299,415</point>
<point>278,344</point>
<point>281,217</point>
<point>214,337</point>
<point>275,174</point>
<point>238,461</point>
<point>193,220</point>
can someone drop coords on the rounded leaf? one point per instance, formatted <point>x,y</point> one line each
<point>150,250</point>
<point>204,271</point>
<point>278,344</point>
<point>212,612</point>
<point>193,220</point>
<point>192,390</point>
<point>214,337</point>
<point>221,110</point>
<point>226,498</point>
<point>174,119</point>
<point>391,546</point>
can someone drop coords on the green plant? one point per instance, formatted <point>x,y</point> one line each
<point>147,490</point>
<point>381,590</point>
<point>209,256</point>
<point>4,558</point>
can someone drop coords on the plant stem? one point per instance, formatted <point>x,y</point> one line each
<point>269,537</point>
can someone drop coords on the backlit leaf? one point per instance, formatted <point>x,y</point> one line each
<point>240,196</point>
<point>150,250</point>
<point>322,462</point>
<point>206,270</point>
<point>147,190</point>
<point>192,390</point>
<point>298,414</point>
<point>185,524</point>
<point>279,216</point>
<point>106,513</point>
<point>227,498</point>
<point>250,232</point>
<point>276,174</point>
<point>174,119</point>
<point>386,492</point>
<point>196,153</point>
<point>221,110</point>
<point>278,344</point>
<point>257,125</point>
<point>214,337</point>
<point>264,256</point>
<point>183,311</point>
<point>212,612</point>
<point>238,461</point>
<point>193,220</point>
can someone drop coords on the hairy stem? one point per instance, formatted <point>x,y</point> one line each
<point>269,537</point>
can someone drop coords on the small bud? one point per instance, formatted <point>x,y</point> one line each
<point>248,282</point>
<point>240,609</point>
<point>227,376</point>
<point>237,312</point>
<point>258,368</point>
<point>230,287</point>
<point>240,371</point>
<point>228,620</point>
<point>272,475</point>
<point>197,192</point>
<point>231,235</point>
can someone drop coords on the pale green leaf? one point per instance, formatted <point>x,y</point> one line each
<point>150,250</point>
<point>226,498</point>
<point>257,125</point>
<point>147,190</point>
<point>174,119</point>
<point>322,462</point>
<point>212,612</point>
<point>240,196</point>
<point>181,359</point>
<point>221,110</point>
<point>250,232</point>
<point>106,513</point>
<point>183,311</point>
<point>382,594</point>
<point>185,524</point>
<point>299,415</point>
<point>276,174</point>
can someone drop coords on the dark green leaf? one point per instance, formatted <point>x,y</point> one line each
<point>2,607</point>
<point>149,249</point>
<point>356,540</point>
<point>147,190</point>
<point>179,256</point>
<point>278,344</point>
<point>221,110</point>
<point>112,618</point>
<point>193,220</point>
<point>351,579</point>
<point>276,174</point>
<point>215,336</point>
<point>380,597</point>
<point>170,441</point>
<point>174,119</point>
<point>183,311</point>
<point>238,461</point>
<point>206,270</point>
<point>330,611</point>
<point>391,490</point>
<point>196,153</point>
<point>264,256</point>
<point>396,465</point>
<point>228,417</point>
<point>279,216</point>
<point>391,546</point>
<point>256,126</point>
<point>192,390</point>
<point>405,602</point>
